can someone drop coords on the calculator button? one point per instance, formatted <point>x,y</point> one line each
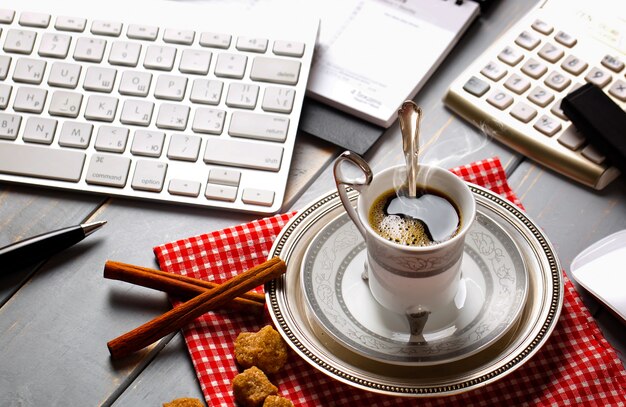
<point>542,27</point>
<point>612,63</point>
<point>500,99</point>
<point>592,154</point>
<point>540,96</point>
<point>557,111</point>
<point>476,87</point>
<point>493,71</point>
<point>564,38</point>
<point>618,90</point>
<point>598,77</point>
<point>534,68</point>
<point>571,138</point>
<point>510,56</point>
<point>574,65</point>
<point>517,84</point>
<point>527,40</point>
<point>557,81</point>
<point>523,112</point>
<point>547,125</point>
<point>551,53</point>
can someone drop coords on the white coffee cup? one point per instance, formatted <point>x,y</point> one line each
<point>411,280</point>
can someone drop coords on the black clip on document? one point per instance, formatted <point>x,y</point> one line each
<point>599,119</point>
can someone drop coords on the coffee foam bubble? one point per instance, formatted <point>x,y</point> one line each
<point>398,229</point>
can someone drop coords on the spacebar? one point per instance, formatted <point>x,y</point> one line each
<point>41,162</point>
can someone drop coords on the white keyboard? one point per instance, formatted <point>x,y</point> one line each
<point>163,101</point>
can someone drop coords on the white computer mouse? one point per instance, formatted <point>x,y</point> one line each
<point>601,270</point>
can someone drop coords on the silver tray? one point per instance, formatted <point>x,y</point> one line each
<point>310,341</point>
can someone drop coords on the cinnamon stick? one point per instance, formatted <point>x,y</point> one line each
<point>178,317</point>
<point>174,284</point>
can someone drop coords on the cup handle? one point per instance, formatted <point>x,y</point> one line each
<point>342,183</point>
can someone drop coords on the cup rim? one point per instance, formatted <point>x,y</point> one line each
<point>435,246</point>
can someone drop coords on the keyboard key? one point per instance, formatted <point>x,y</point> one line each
<point>540,96</point>
<point>142,32</point>
<point>275,70</point>
<point>39,20</point>
<point>172,116</point>
<point>262,156</point>
<point>30,100</point>
<point>101,108</point>
<point>64,75</point>
<point>230,65</point>
<point>278,100</point>
<point>574,65</point>
<point>184,37</point>
<point>149,176</point>
<point>99,79</point>
<point>571,138</point>
<point>194,61</point>
<point>6,16</point>
<point>258,126</point>
<point>242,95</point>
<point>108,170</point>
<point>476,87</point>
<point>592,154</point>
<point>206,91</point>
<point>215,40</point>
<point>547,125</point>
<point>557,81</point>
<point>500,99</point>
<point>54,45</point>
<point>565,39</point>
<point>224,177</point>
<point>612,63</point>
<point>137,112</point>
<point>493,71</point>
<point>124,53</point>
<point>551,53</point>
<point>89,49</point>
<point>65,104</point>
<point>534,68</point>
<point>184,147</point>
<point>9,126</point>
<point>74,24</point>
<point>161,58</point>
<point>256,196</point>
<point>598,77</point>
<point>184,187</point>
<point>39,130</point>
<point>523,112</point>
<point>618,90</point>
<point>148,143</point>
<point>5,94</point>
<point>170,87</point>
<point>41,162</point>
<point>210,121</point>
<point>517,83</point>
<point>220,192</point>
<point>19,41</point>
<point>288,48</point>
<point>135,83</point>
<point>527,40</point>
<point>251,44</point>
<point>76,135</point>
<point>110,28</point>
<point>5,64</point>
<point>510,56</point>
<point>111,139</point>
<point>542,27</point>
<point>28,70</point>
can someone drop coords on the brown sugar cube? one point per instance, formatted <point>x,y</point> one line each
<point>264,349</point>
<point>277,401</point>
<point>184,402</point>
<point>252,387</point>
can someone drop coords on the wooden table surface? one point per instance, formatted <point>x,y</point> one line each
<point>56,317</point>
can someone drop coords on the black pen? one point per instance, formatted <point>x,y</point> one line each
<point>39,247</point>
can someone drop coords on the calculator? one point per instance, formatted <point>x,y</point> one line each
<point>513,91</point>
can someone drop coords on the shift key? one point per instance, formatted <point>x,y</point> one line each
<point>260,156</point>
<point>108,170</point>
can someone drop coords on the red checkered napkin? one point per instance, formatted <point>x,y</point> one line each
<point>576,366</point>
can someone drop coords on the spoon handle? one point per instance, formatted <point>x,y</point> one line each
<point>410,116</point>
